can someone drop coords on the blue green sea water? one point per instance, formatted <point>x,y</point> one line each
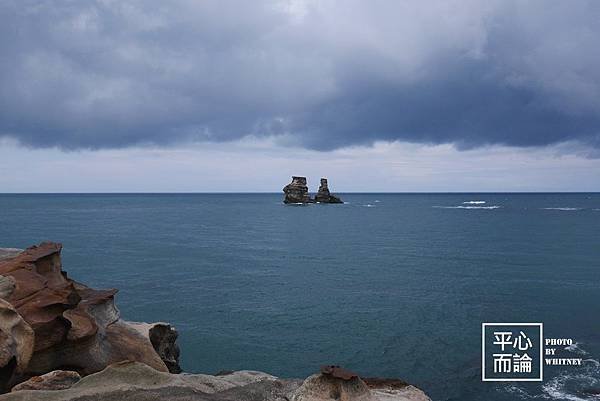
<point>390,285</point>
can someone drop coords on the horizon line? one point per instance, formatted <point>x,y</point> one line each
<point>272,192</point>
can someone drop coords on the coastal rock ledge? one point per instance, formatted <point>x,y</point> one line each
<point>63,341</point>
<point>139,382</point>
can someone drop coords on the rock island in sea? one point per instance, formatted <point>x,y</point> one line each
<point>296,192</point>
<point>63,341</point>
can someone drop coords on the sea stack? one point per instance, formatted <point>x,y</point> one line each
<point>297,191</point>
<point>324,196</point>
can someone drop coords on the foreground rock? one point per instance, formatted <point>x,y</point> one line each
<point>55,380</point>
<point>163,338</point>
<point>49,322</point>
<point>324,196</point>
<point>335,383</point>
<point>297,191</point>
<point>137,382</point>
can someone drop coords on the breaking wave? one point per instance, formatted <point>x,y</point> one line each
<point>580,385</point>
<point>573,387</point>
<point>577,384</point>
<point>469,207</point>
<point>476,202</point>
<point>517,391</point>
<point>576,349</point>
<point>567,209</point>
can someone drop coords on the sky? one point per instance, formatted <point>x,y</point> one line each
<point>226,96</point>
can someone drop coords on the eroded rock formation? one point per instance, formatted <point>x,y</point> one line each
<point>49,322</point>
<point>164,340</point>
<point>324,196</point>
<point>135,381</point>
<point>336,383</point>
<point>16,344</point>
<point>297,191</point>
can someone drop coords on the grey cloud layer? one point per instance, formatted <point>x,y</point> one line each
<point>326,74</point>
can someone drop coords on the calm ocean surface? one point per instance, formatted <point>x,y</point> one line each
<point>387,285</point>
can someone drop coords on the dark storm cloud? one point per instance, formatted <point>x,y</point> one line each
<point>101,74</point>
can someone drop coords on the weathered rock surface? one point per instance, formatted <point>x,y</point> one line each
<point>16,344</point>
<point>163,338</point>
<point>322,387</point>
<point>297,191</point>
<point>137,382</point>
<point>9,253</point>
<point>55,380</point>
<point>73,325</point>
<point>7,286</point>
<point>335,383</point>
<point>324,196</point>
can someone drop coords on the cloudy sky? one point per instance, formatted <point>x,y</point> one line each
<point>237,95</point>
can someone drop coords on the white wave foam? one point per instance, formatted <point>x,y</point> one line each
<point>369,205</point>
<point>473,203</point>
<point>555,390</point>
<point>377,201</point>
<point>566,209</point>
<point>574,386</point>
<point>469,207</point>
<point>517,391</point>
<point>576,349</point>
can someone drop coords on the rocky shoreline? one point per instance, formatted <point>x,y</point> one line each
<point>61,340</point>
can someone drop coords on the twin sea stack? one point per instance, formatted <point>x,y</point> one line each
<point>297,192</point>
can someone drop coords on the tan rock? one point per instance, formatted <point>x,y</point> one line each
<point>126,380</point>
<point>336,383</point>
<point>9,253</point>
<point>74,325</point>
<point>7,286</point>
<point>321,387</point>
<point>16,344</point>
<point>163,338</point>
<point>55,380</point>
<point>136,381</point>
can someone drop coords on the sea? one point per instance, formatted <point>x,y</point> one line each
<point>388,285</point>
